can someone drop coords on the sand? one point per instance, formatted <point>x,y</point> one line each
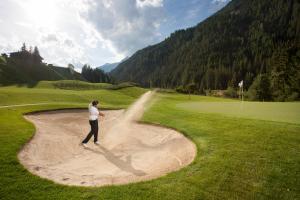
<point>128,151</point>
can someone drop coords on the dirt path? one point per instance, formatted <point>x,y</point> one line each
<point>129,152</point>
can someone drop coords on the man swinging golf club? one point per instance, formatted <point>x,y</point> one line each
<point>93,119</point>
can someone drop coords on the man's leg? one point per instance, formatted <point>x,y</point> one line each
<point>88,137</point>
<point>96,132</point>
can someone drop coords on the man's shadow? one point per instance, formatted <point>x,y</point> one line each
<point>121,164</point>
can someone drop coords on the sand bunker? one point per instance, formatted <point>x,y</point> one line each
<point>129,152</point>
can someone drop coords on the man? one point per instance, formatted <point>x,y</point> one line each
<point>93,119</point>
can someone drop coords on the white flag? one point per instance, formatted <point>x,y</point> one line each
<point>241,84</point>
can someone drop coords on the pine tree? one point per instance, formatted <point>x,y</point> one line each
<point>36,51</point>
<point>36,55</point>
<point>23,48</point>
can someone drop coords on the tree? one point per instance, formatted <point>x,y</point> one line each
<point>71,68</point>
<point>94,75</point>
<point>30,49</point>
<point>260,89</point>
<point>36,51</point>
<point>23,48</point>
<point>191,88</point>
<point>36,55</point>
<point>263,89</point>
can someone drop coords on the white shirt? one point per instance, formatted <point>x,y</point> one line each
<point>94,112</point>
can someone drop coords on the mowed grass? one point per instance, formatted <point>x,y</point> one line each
<point>72,85</point>
<point>237,158</point>
<point>108,98</point>
<point>271,111</point>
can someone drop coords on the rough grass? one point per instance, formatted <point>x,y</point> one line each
<point>237,158</point>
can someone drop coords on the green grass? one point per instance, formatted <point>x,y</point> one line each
<point>108,98</point>
<point>271,111</point>
<point>72,85</point>
<point>81,85</point>
<point>237,158</point>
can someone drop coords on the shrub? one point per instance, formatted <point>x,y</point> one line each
<point>123,85</point>
<point>2,60</point>
<point>260,89</point>
<point>181,89</point>
<point>293,97</point>
<point>231,92</point>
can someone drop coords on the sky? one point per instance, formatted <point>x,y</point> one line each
<point>95,31</point>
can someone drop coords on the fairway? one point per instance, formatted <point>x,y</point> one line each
<point>271,111</point>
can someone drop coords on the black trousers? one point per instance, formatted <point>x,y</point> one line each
<point>94,131</point>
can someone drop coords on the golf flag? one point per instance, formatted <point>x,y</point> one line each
<point>241,84</point>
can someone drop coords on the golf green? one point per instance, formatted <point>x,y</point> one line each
<point>272,111</point>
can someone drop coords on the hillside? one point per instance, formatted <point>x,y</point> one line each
<point>67,73</point>
<point>108,67</point>
<point>26,68</point>
<point>245,39</point>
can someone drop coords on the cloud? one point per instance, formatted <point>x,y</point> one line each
<point>61,47</point>
<point>49,38</point>
<point>220,1</point>
<point>151,3</point>
<point>128,24</point>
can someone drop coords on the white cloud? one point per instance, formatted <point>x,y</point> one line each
<point>128,25</point>
<point>219,1</point>
<point>61,47</point>
<point>153,3</point>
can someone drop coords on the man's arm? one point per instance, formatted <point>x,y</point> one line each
<point>101,114</point>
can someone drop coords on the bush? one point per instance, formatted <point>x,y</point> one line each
<point>293,97</point>
<point>260,89</point>
<point>163,90</point>
<point>2,60</point>
<point>208,92</point>
<point>231,92</point>
<point>123,85</point>
<point>181,89</point>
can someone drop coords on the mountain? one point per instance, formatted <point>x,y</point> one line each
<point>108,67</point>
<point>243,41</point>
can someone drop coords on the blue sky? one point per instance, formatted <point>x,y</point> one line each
<point>95,31</point>
<point>183,14</point>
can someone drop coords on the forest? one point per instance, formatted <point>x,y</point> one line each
<point>251,40</point>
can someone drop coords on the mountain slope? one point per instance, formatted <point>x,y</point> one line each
<point>107,67</point>
<point>244,39</point>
